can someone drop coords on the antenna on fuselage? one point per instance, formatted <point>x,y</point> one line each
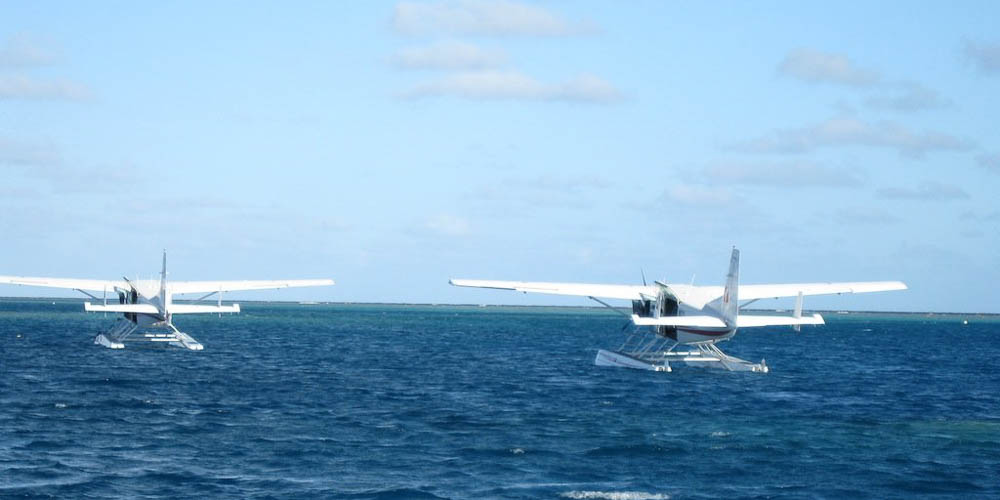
<point>163,287</point>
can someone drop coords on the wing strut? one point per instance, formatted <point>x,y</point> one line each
<point>609,306</point>
<point>88,294</point>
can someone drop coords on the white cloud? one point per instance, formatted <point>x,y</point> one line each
<point>685,206</point>
<point>990,162</point>
<point>823,67</point>
<point>88,180</point>
<point>22,51</point>
<point>480,17</point>
<point>448,225</point>
<point>21,193</point>
<point>565,185</point>
<point>986,56</point>
<point>799,174</point>
<point>926,253</point>
<point>926,191</point>
<point>450,55</point>
<point>914,97</point>
<point>14,152</point>
<point>969,215</point>
<point>23,87</point>
<point>515,85</point>
<point>42,164</point>
<point>865,216</point>
<point>814,66</point>
<point>525,195</point>
<point>700,196</point>
<point>847,131</point>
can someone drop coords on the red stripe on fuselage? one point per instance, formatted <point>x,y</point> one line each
<point>707,333</point>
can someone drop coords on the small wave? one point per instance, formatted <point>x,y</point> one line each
<point>637,450</point>
<point>394,493</point>
<point>30,486</point>
<point>720,434</point>
<point>614,495</point>
<point>44,445</point>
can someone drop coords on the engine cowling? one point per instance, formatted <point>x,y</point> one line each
<point>662,306</point>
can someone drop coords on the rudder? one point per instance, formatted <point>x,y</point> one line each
<point>730,304</point>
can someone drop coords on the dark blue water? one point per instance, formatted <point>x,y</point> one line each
<point>290,401</point>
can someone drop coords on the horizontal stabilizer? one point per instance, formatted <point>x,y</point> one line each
<point>121,308</point>
<point>744,321</point>
<point>203,309</point>
<point>699,321</point>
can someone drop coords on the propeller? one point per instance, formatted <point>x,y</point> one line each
<point>629,323</point>
<point>131,297</point>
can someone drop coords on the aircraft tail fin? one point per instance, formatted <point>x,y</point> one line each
<point>730,304</point>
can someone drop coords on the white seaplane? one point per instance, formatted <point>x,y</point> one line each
<point>148,304</point>
<point>689,321</point>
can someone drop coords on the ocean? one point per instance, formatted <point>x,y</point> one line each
<point>395,401</point>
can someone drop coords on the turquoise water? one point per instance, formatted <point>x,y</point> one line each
<point>360,401</point>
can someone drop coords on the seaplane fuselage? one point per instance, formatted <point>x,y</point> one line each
<point>694,316</point>
<point>665,306</point>
<point>149,303</point>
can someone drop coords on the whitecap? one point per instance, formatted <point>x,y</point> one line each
<point>614,495</point>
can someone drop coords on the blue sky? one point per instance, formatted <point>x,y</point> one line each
<point>394,145</point>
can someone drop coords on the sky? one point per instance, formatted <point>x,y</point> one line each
<point>394,145</point>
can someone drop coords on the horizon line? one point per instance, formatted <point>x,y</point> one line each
<point>562,306</point>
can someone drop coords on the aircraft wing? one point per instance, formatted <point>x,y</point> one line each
<point>70,283</point>
<point>695,296</point>
<point>625,292</point>
<point>749,292</point>
<point>178,287</point>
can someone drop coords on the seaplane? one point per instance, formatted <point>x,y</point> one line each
<point>684,323</point>
<point>147,305</point>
